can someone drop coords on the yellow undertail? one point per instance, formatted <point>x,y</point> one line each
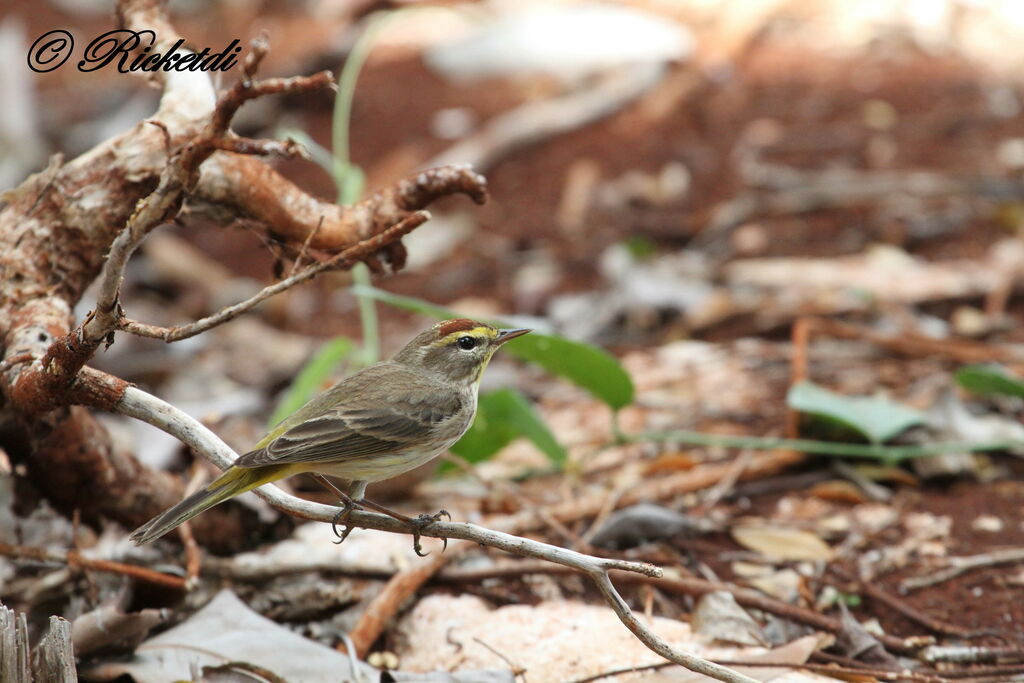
<point>234,481</point>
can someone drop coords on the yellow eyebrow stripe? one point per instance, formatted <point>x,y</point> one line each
<point>485,332</point>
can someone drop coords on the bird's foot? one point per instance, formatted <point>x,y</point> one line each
<point>342,519</point>
<point>421,522</point>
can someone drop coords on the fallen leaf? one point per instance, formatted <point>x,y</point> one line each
<point>782,543</point>
<point>226,630</point>
<point>784,584</point>
<point>887,473</point>
<point>719,616</point>
<point>838,491</point>
<point>671,462</point>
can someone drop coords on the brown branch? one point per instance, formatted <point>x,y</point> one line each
<point>934,625</point>
<point>256,191</point>
<point>345,259</point>
<point>64,226</point>
<point>75,559</point>
<point>179,176</point>
<point>288,149</point>
<point>831,670</point>
<point>958,565</point>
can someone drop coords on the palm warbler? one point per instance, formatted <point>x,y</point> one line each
<point>374,425</point>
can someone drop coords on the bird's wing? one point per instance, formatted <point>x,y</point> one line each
<point>378,423</point>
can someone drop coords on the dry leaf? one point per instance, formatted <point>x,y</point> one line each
<point>782,543</point>
<point>720,617</point>
<point>783,585</point>
<point>838,491</point>
<point>671,462</point>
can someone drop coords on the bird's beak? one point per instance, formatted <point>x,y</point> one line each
<point>505,335</point>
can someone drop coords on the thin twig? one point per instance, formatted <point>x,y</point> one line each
<point>305,247</point>
<point>701,477</point>
<point>915,345</point>
<point>892,602</point>
<point>836,448</point>
<point>830,670</point>
<point>345,259</point>
<point>726,484</point>
<point>193,556</point>
<point>959,565</point>
<point>73,558</point>
<point>611,503</point>
<point>798,370</point>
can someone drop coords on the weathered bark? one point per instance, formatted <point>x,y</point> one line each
<point>14,666</point>
<point>53,659</point>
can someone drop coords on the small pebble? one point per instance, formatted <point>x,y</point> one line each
<point>383,660</point>
<point>989,523</point>
<point>879,114</point>
<point>970,322</point>
<point>453,123</point>
<point>1010,153</point>
<point>750,239</point>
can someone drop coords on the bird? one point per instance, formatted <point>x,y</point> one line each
<point>376,424</point>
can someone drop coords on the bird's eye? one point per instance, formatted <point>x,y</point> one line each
<point>466,343</point>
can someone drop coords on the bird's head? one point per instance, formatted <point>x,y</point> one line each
<point>456,349</point>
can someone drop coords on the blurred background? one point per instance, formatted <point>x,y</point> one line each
<point>634,149</point>
<point>674,181</point>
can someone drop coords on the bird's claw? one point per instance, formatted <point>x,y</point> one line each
<point>342,518</point>
<point>422,521</point>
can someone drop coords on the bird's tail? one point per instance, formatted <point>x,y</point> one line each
<point>232,482</point>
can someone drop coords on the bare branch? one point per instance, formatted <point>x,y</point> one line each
<point>257,192</point>
<point>345,259</point>
<point>75,559</point>
<point>80,220</point>
<point>178,177</point>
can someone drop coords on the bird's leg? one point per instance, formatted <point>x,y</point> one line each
<point>351,502</point>
<point>417,524</point>
<point>348,504</point>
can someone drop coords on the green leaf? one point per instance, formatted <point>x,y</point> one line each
<point>989,379</point>
<point>501,417</point>
<point>586,366</point>
<point>640,248</point>
<point>877,419</point>
<point>312,376</point>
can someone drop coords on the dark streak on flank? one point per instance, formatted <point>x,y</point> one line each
<point>457,325</point>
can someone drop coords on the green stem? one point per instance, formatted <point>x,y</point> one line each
<point>349,191</point>
<point>367,316</point>
<point>619,436</point>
